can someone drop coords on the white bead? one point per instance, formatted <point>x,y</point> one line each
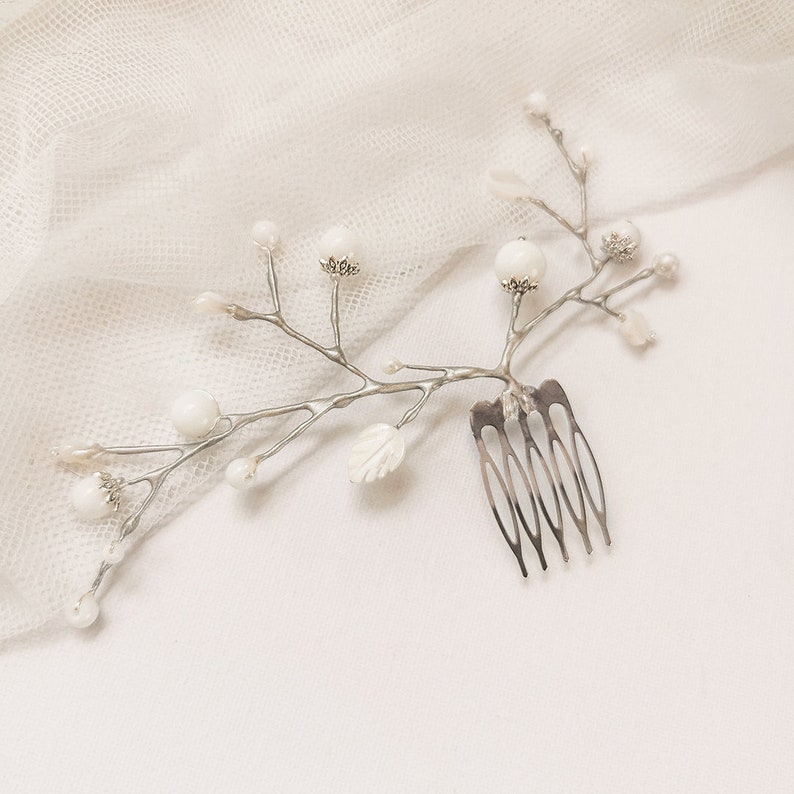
<point>635,329</point>
<point>82,612</point>
<point>90,499</point>
<point>520,259</point>
<point>626,229</point>
<point>588,155</point>
<point>210,303</point>
<point>378,451</point>
<point>537,105</point>
<point>195,413</point>
<point>340,242</point>
<point>76,451</point>
<point>506,184</point>
<point>114,552</point>
<point>266,234</point>
<point>241,473</point>
<point>391,365</point>
<point>666,265</point>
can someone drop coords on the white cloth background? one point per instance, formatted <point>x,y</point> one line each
<point>310,636</point>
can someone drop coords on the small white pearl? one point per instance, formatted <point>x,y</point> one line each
<point>76,451</point>
<point>115,552</point>
<point>339,242</point>
<point>666,265</point>
<point>635,329</point>
<point>627,229</point>
<point>90,499</point>
<point>210,303</point>
<point>195,413</point>
<point>520,259</point>
<point>266,234</point>
<point>83,611</point>
<point>391,365</point>
<point>537,105</point>
<point>241,473</point>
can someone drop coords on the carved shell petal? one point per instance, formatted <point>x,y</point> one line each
<point>505,184</point>
<point>378,451</point>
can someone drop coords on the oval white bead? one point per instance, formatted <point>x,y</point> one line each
<point>90,499</point>
<point>76,451</point>
<point>83,612</point>
<point>195,413</point>
<point>391,365</point>
<point>209,303</point>
<point>537,105</point>
<point>241,473</point>
<point>378,451</point>
<point>115,552</point>
<point>266,234</point>
<point>635,328</point>
<point>520,259</point>
<point>339,242</point>
<point>665,265</point>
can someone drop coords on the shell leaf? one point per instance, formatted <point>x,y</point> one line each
<point>378,451</point>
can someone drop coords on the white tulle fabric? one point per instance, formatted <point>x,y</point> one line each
<point>139,141</point>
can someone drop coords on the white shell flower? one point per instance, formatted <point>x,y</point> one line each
<point>378,451</point>
<point>635,328</point>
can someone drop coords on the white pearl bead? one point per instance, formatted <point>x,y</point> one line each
<point>520,259</point>
<point>266,234</point>
<point>210,303</point>
<point>76,451</point>
<point>665,265</point>
<point>83,612</point>
<point>627,229</point>
<point>115,552</point>
<point>635,329</point>
<point>340,242</point>
<point>195,413</point>
<point>90,499</point>
<point>241,473</point>
<point>537,105</point>
<point>391,365</point>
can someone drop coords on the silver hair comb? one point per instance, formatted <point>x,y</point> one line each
<point>535,462</point>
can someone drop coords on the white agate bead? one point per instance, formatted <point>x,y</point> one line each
<point>339,242</point>
<point>520,259</point>
<point>665,265</point>
<point>391,365</point>
<point>83,612</point>
<point>90,499</point>
<point>195,413</point>
<point>115,552</point>
<point>265,234</point>
<point>627,229</point>
<point>209,303</point>
<point>537,105</point>
<point>241,473</point>
<point>635,328</point>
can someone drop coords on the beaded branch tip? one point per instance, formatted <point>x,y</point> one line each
<point>530,484</point>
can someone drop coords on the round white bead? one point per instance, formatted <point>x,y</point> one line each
<point>665,265</point>
<point>391,365</point>
<point>195,413</point>
<point>83,612</point>
<point>241,473</point>
<point>210,303</point>
<point>90,499</point>
<point>635,328</point>
<point>265,234</point>
<point>520,259</point>
<point>340,242</point>
<point>537,105</point>
<point>115,552</point>
<point>627,229</point>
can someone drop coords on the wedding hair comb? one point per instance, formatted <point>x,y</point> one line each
<point>535,462</point>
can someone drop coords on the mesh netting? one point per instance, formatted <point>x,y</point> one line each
<point>140,140</point>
